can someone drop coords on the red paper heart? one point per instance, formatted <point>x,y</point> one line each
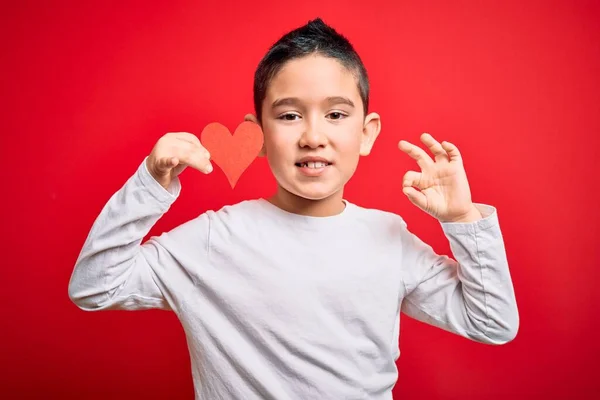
<point>233,153</point>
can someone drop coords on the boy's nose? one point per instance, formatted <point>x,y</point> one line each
<point>312,137</point>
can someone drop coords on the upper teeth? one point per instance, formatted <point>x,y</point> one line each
<point>317,164</point>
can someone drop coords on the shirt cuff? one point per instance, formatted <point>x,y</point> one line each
<point>489,220</point>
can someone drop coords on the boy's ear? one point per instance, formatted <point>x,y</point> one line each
<point>252,118</point>
<point>371,130</point>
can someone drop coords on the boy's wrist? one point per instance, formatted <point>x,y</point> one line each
<point>472,216</point>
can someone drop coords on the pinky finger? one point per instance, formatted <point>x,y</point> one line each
<point>169,163</point>
<point>165,164</point>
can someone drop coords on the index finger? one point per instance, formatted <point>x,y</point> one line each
<point>194,141</point>
<point>188,137</point>
<point>416,153</point>
<point>197,159</point>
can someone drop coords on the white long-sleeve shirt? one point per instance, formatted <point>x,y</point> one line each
<point>282,306</point>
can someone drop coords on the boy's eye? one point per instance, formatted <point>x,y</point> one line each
<point>337,115</point>
<point>288,117</point>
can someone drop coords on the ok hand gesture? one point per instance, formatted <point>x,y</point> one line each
<point>444,191</point>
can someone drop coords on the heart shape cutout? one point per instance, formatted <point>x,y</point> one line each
<point>232,153</point>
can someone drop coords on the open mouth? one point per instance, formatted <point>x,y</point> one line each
<point>313,165</point>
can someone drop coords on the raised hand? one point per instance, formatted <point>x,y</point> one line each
<point>173,153</point>
<point>443,189</point>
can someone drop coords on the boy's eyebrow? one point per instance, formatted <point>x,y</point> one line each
<point>291,101</point>
<point>340,100</point>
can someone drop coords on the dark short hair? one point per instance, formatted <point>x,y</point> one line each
<point>315,37</point>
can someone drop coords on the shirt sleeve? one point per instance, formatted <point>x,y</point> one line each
<point>472,296</point>
<point>114,271</point>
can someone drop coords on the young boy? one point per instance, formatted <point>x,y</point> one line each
<point>299,296</point>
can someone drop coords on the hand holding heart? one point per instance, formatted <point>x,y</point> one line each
<point>444,191</point>
<point>175,151</point>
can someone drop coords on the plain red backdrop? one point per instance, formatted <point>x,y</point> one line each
<point>88,87</point>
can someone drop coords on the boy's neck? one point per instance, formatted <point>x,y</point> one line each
<point>292,203</point>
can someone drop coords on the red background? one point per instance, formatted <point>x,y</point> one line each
<point>88,87</point>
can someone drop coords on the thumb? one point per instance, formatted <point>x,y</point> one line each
<point>416,197</point>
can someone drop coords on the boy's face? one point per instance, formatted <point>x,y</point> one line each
<point>313,109</point>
